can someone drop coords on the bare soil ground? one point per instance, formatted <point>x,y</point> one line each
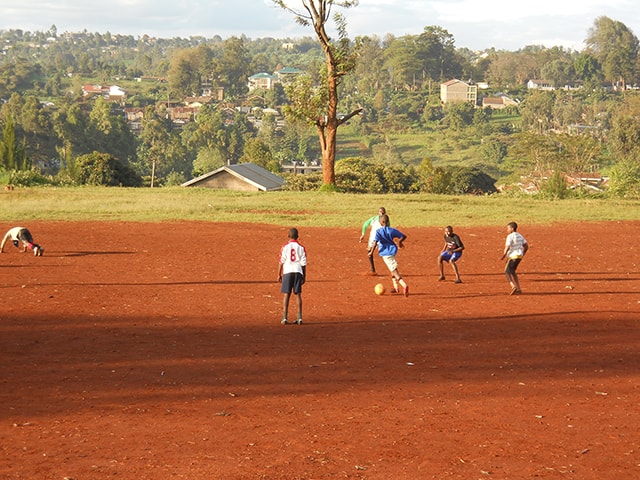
<point>155,351</point>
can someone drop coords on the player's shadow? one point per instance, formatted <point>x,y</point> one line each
<point>602,275</point>
<point>584,279</point>
<point>86,253</point>
<point>166,284</point>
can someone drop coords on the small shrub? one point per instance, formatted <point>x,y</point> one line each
<point>30,178</point>
<point>555,187</point>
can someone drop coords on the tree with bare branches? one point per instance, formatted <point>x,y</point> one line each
<point>320,106</point>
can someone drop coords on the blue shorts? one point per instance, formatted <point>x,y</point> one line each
<point>447,256</point>
<point>292,282</point>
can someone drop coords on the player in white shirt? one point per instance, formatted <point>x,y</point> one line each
<point>515,248</point>
<point>292,272</point>
<point>22,235</point>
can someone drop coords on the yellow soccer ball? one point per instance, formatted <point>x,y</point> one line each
<point>379,289</point>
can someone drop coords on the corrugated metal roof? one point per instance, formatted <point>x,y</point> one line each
<point>260,177</point>
<point>251,173</point>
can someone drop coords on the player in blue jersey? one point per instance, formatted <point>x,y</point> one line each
<point>386,240</point>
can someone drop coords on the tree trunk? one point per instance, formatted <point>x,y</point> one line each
<point>328,144</point>
<point>153,171</point>
<point>328,128</point>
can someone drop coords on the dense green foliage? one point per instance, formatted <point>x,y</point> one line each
<point>404,141</point>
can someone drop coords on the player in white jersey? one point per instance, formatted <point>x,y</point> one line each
<point>20,235</point>
<point>515,248</point>
<point>292,272</point>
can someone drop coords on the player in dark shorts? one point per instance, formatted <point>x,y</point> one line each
<point>451,253</point>
<point>292,272</point>
<point>21,235</point>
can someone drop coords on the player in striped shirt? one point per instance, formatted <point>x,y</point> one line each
<point>515,248</point>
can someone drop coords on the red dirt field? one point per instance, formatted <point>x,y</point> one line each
<point>155,351</point>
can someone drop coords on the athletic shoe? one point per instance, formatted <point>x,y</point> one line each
<point>298,322</point>
<point>284,321</point>
<point>406,290</point>
<point>36,251</point>
<point>394,290</point>
<point>441,279</point>
<point>457,281</point>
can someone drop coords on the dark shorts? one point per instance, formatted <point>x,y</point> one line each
<point>292,282</point>
<point>512,265</point>
<point>24,235</point>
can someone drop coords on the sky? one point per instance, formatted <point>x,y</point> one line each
<point>474,24</point>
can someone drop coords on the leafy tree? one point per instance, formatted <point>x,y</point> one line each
<point>537,111</point>
<point>559,72</point>
<point>534,153</point>
<point>12,154</point>
<point>339,60</point>
<point>183,76</point>
<point>460,180</point>
<point>471,180</point>
<point>208,159</point>
<point>625,179</point>
<point>212,131</point>
<point>624,136</point>
<point>155,140</point>
<point>458,115</point>
<point>513,68</point>
<point>401,63</point>
<point>615,47</point>
<point>588,69</point>
<point>108,131</point>
<point>439,181</point>
<point>555,187</point>
<point>436,54</point>
<point>580,153</point>
<point>369,75</point>
<point>232,68</point>
<point>567,109</point>
<point>102,169</point>
<point>493,151</point>
<point>257,151</point>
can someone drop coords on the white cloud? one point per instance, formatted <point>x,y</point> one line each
<point>473,24</point>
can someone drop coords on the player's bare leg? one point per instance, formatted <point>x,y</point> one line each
<point>397,279</point>
<point>455,270</point>
<point>299,302</point>
<point>370,253</point>
<point>441,267</point>
<point>285,308</point>
<point>515,283</point>
<point>512,276</point>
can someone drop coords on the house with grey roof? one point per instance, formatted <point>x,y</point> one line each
<point>245,177</point>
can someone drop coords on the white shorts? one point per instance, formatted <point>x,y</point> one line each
<point>390,262</point>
